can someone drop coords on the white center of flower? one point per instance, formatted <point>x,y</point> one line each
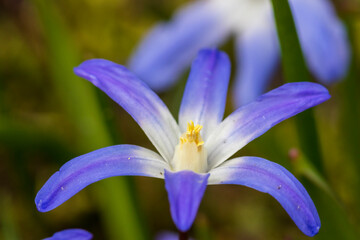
<point>243,14</point>
<point>190,153</point>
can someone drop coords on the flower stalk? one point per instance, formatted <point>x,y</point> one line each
<point>295,70</point>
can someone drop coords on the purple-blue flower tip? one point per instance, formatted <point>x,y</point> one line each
<point>71,234</point>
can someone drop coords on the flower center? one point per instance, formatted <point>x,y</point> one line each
<point>190,153</point>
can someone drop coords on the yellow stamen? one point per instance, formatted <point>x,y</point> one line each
<point>192,134</point>
<point>183,140</point>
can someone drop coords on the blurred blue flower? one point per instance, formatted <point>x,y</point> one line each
<point>192,156</point>
<point>167,235</point>
<point>71,234</point>
<point>169,48</point>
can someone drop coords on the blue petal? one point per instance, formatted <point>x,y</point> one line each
<point>71,234</point>
<point>80,172</point>
<point>185,191</point>
<point>323,39</point>
<point>167,235</point>
<point>271,178</point>
<point>254,119</point>
<point>169,48</point>
<point>205,93</point>
<point>257,57</point>
<point>137,99</point>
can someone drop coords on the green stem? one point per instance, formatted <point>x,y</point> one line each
<point>335,223</point>
<point>90,131</point>
<point>309,140</point>
<point>350,110</point>
<point>350,107</point>
<point>295,70</point>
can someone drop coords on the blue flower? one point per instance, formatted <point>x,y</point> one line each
<point>169,48</point>
<point>167,235</point>
<point>71,234</point>
<point>191,156</point>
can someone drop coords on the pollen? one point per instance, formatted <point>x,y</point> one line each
<point>192,134</point>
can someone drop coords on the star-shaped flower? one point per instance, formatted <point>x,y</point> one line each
<point>168,49</point>
<point>195,152</point>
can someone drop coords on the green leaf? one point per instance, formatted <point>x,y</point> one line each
<point>81,103</point>
<point>8,224</point>
<point>295,70</point>
<point>335,223</point>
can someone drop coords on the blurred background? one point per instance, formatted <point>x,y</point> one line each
<point>49,116</point>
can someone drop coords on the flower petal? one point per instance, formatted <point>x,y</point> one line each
<point>205,93</point>
<point>185,191</point>
<point>137,99</point>
<point>254,119</point>
<point>271,178</point>
<point>80,172</point>
<point>71,234</point>
<point>167,235</point>
<point>170,47</point>
<point>257,57</point>
<point>323,39</point>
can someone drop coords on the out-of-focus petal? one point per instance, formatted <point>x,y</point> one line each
<point>170,47</point>
<point>271,178</point>
<point>137,99</point>
<point>254,119</point>
<point>257,51</point>
<point>185,191</point>
<point>323,39</point>
<point>205,93</point>
<point>71,234</point>
<point>80,172</point>
<point>167,235</point>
